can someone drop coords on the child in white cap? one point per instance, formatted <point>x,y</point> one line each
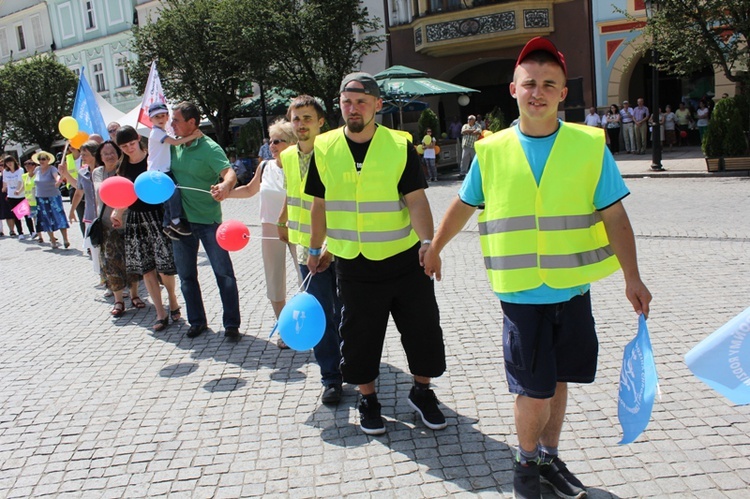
<point>160,159</point>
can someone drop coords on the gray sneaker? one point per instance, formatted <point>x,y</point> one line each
<point>555,473</point>
<point>526,484</point>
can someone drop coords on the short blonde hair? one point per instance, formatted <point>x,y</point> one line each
<point>284,129</point>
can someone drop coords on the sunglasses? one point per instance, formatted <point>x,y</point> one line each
<point>43,158</point>
<point>277,141</point>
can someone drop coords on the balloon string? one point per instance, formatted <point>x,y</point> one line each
<point>193,189</point>
<point>306,282</point>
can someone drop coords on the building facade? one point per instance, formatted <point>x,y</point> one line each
<point>476,43</point>
<point>24,30</point>
<point>623,71</point>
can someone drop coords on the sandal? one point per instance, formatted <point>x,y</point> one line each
<point>66,244</point>
<point>118,309</point>
<point>136,302</point>
<point>161,324</point>
<point>175,314</point>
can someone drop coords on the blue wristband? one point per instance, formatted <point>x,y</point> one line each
<point>315,252</point>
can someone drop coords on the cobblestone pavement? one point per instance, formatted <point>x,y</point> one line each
<point>96,407</point>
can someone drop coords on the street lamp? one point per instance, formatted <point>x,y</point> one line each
<point>651,6</point>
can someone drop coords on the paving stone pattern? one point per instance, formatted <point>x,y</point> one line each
<point>100,407</point>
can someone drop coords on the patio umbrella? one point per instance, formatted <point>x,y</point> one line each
<point>400,85</point>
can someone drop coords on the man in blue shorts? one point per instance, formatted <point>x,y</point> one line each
<point>553,223</point>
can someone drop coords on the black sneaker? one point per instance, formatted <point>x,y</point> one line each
<point>370,420</point>
<point>526,484</point>
<point>181,228</point>
<point>170,233</point>
<point>232,334</point>
<point>196,331</point>
<point>331,394</point>
<point>554,473</point>
<point>426,404</point>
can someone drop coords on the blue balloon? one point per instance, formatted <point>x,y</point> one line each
<point>302,322</point>
<point>154,187</point>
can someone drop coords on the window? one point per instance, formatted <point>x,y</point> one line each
<point>21,39</point>
<point>123,80</point>
<point>76,71</point>
<point>98,69</point>
<point>89,17</point>
<point>36,31</point>
<point>4,50</point>
<point>65,15</point>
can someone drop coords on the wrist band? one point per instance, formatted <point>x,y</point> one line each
<point>315,252</point>
<point>281,225</point>
<point>426,241</point>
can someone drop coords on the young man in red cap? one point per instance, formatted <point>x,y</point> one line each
<point>544,239</point>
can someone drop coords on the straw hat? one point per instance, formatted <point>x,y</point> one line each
<point>35,157</point>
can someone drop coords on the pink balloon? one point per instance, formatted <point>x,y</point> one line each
<point>117,192</point>
<point>232,235</point>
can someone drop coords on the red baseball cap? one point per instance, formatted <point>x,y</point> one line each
<point>545,45</point>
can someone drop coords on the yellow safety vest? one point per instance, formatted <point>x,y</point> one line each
<point>365,213</point>
<point>70,163</point>
<point>298,203</point>
<point>29,183</point>
<point>550,233</point>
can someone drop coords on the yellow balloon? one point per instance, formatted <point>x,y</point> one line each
<point>486,133</point>
<point>420,149</point>
<point>68,127</point>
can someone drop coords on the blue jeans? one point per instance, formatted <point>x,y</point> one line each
<point>328,351</point>
<point>186,261</point>
<point>173,205</point>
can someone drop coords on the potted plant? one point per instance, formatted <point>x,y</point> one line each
<point>725,144</point>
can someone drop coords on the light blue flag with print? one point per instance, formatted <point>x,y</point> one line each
<point>86,111</point>
<point>638,385</point>
<point>722,361</point>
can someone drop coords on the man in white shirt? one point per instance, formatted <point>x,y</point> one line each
<point>593,119</point>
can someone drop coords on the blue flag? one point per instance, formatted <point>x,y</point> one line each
<point>638,385</point>
<point>722,361</point>
<point>86,111</point>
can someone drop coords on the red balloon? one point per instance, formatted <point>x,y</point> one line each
<point>117,192</point>
<point>232,235</point>
<point>683,134</point>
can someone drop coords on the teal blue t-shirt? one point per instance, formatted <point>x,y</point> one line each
<point>610,189</point>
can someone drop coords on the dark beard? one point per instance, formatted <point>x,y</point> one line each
<point>356,127</point>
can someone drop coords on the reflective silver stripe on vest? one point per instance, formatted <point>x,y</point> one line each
<point>569,222</point>
<point>576,259</point>
<point>366,207</point>
<point>299,202</point>
<point>341,206</point>
<point>294,225</point>
<point>512,262</point>
<point>369,237</point>
<point>509,224</point>
<point>343,234</point>
<point>381,206</point>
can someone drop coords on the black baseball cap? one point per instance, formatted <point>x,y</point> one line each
<point>366,79</point>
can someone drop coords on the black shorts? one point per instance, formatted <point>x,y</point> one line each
<point>410,298</point>
<point>547,344</point>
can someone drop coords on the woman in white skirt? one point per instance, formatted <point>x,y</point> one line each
<point>269,182</point>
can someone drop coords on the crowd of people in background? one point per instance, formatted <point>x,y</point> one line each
<point>632,127</point>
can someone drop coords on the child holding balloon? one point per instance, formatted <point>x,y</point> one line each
<point>160,159</point>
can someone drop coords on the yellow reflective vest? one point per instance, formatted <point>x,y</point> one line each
<point>29,183</point>
<point>549,233</point>
<point>365,213</point>
<point>298,203</point>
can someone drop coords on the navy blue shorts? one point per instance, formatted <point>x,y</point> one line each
<point>547,344</point>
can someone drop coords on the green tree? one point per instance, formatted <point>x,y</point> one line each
<point>195,44</point>
<point>691,35</point>
<point>428,119</point>
<point>317,43</point>
<point>37,92</point>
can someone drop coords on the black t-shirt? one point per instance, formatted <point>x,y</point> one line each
<point>131,172</point>
<point>360,268</point>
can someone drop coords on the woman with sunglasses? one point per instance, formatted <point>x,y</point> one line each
<point>269,182</point>
<point>147,249</point>
<point>49,208</point>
